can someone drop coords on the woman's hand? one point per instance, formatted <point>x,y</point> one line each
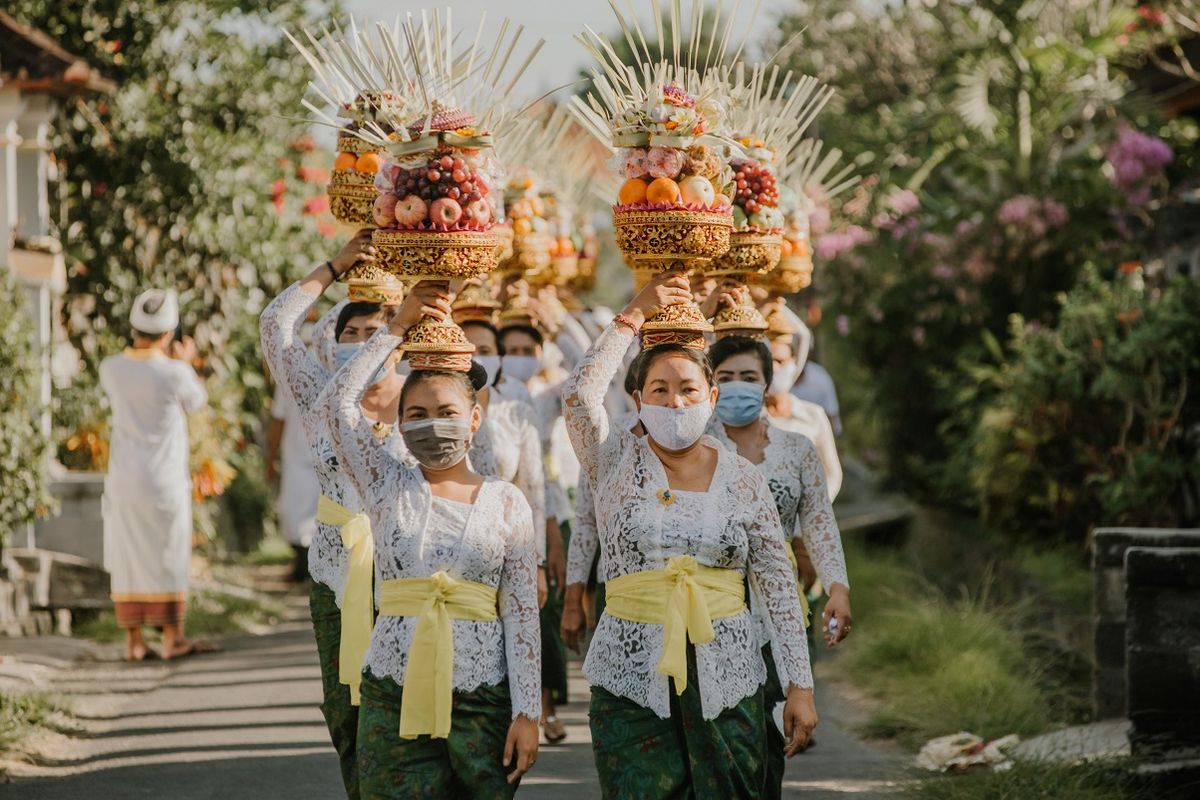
<point>799,719</point>
<point>838,605</point>
<point>728,295</point>
<point>359,250</point>
<point>523,738</point>
<point>574,621</point>
<point>543,591</point>
<point>426,299</point>
<point>556,558</point>
<point>664,289</point>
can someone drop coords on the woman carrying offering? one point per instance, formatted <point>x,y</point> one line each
<point>339,558</point>
<point>451,689</point>
<point>742,368</point>
<point>675,664</point>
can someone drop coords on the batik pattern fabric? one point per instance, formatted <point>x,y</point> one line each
<point>688,755</point>
<point>292,363</point>
<point>639,528</point>
<point>341,718</point>
<point>489,542</point>
<point>469,763</point>
<point>554,652</point>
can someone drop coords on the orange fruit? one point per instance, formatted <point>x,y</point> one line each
<point>345,161</point>
<point>368,163</point>
<point>662,190</point>
<point>632,191</point>
<point>522,226</point>
<point>565,246</point>
<point>553,248</point>
<point>786,248</point>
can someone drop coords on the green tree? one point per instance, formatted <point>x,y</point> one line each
<point>189,176</point>
<point>23,446</point>
<point>985,129</point>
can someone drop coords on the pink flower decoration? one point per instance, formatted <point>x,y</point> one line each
<point>904,202</point>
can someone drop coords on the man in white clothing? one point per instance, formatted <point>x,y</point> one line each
<point>148,489</point>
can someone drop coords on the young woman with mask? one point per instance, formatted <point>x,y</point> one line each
<point>675,664</point>
<point>743,369</point>
<point>522,361</point>
<point>450,688</point>
<point>340,597</point>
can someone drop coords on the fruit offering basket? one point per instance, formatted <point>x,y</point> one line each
<point>475,302</point>
<point>532,242</point>
<point>794,270</point>
<point>352,183</point>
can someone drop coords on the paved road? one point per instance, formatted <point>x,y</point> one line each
<point>244,723</point>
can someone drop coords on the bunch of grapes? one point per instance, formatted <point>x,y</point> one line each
<point>444,176</point>
<point>755,186</point>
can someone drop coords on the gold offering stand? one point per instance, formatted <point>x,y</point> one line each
<point>661,241</point>
<point>750,253</point>
<point>475,303</point>
<point>437,256</point>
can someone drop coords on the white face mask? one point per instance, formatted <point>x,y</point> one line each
<point>675,428</point>
<point>784,378</point>
<point>492,365</point>
<point>348,350</point>
<point>521,368</point>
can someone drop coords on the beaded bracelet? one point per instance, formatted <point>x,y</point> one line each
<point>332,271</point>
<point>622,319</point>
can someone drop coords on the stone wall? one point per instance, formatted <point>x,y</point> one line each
<point>1108,575</point>
<point>1162,635</point>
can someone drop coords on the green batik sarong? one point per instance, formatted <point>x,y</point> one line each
<point>638,754</point>
<point>340,717</point>
<point>467,764</point>
<point>554,652</point>
<point>775,761</point>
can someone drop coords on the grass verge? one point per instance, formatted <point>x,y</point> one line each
<point>22,712</point>
<point>1034,781</point>
<point>937,664</point>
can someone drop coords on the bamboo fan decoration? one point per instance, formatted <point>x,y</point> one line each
<point>440,183</point>
<point>353,89</point>
<point>769,113</point>
<point>664,117</point>
<point>809,176</point>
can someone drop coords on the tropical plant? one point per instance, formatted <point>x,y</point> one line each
<point>193,175</point>
<point>995,131</point>
<point>23,442</point>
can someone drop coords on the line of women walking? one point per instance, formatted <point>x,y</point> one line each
<point>436,531</point>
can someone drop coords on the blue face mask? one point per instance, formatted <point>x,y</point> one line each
<point>739,402</point>
<point>347,350</point>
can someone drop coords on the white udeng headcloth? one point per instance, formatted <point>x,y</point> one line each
<point>155,311</point>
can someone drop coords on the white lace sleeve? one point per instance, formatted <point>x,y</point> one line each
<point>583,397</point>
<point>815,520</point>
<point>377,474</point>
<point>772,578</point>
<point>531,474</point>
<point>517,601</point>
<point>581,550</point>
<point>288,358</point>
<point>324,337</point>
<point>829,456</point>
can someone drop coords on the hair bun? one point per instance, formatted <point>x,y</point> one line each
<point>477,375</point>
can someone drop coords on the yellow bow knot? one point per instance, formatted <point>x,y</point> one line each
<point>358,607</point>
<point>684,597</point>
<point>429,676</point>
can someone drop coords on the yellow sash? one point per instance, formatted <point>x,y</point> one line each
<point>429,677</point>
<point>358,608</point>
<point>791,554</point>
<point>684,597</point>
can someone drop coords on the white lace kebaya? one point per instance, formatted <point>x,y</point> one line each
<point>810,420</point>
<point>489,541</point>
<point>733,525</point>
<point>796,478</point>
<point>292,363</point>
<point>507,446</point>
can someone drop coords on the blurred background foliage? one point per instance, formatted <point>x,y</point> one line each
<point>195,174</point>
